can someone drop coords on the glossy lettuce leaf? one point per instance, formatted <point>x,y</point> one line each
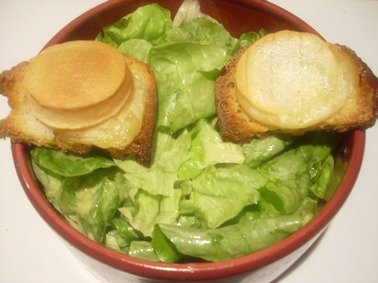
<point>159,179</point>
<point>52,184</point>
<point>322,177</point>
<point>125,230</point>
<point>93,200</point>
<point>248,38</point>
<point>204,31</point>
<point>185,74</point>
<point>143,250</point>
<point>295,171</point>
<point>259,150</point>
<point>164,248</point>
<point>208,148</point>
<point>149,210</point>
<point>239,239</point>
<point>114,241</point>
<point>285,198</point>
<point>219,194</point>
<point>147,22</point>
<point>137,48</point>
<point>233,240</point>
<point>186,57</point>
<point>68,165</point>
<point>188,10</point>
<point>88,202</point>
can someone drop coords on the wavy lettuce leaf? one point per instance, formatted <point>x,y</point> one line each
<point>189,10</point>
<point>219,194</point>
<point>233,240</point>
<point>52,184</point>
<point>149,210</point>
<point>137,48</point>
<point>159,179</point>
<point>88,202</point>
<point>186,57</point>
<point>185,74</point>
<point>68,165</point>
<point>248,38</point>
<point>322,177</point>
<point>147,22</point>
<point>257,151</point>
<point>239,239</point>
<point>208,148</point>
<point>143,249</point>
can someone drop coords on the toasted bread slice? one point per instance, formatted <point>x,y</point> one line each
<point>128,102</point>
<point>264,90</point>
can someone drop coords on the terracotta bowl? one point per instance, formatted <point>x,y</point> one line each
<point>237,17</point>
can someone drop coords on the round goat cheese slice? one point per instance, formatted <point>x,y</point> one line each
<point>289,80</point>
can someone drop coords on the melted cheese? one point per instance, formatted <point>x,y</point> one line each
<point>290,80</point>
<point>86,92</point>
<point>117,131</point>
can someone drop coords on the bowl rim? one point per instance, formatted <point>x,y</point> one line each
<point>189,271</point>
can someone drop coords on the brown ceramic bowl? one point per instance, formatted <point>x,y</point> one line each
<point>237,17</point>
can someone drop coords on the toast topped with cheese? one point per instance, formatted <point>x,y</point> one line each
<point>293,82</point>
<point>81,95</point>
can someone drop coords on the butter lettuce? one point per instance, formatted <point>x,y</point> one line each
<point>186,73</point>
<point>235,240</point>
<point>219,194</point>
<point>89,202</point>
<point>68,165</point>
<point>149,210</point>
<point>186,55</point>
<point>202,197</point>
<point>147,22</point>
<point>159,179</point>
<point>208,148</point>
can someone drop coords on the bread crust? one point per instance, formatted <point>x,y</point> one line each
<point>141,146</point>
<point>360,111</point>
<point>21,126</point>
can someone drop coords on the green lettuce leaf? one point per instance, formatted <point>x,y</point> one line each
<point>115,242</point>
<point>149,210</point>
<point>186,56</point>
<point>159,179</point>
<point>164,248</point>
<point>125,230</point>
<point>147,22</point>
<point>188,11</point>
<point>284,197</point>
<point>257,151</point>
<point>201,30</point>
<point>248,38</point>
<point>91,201</point>
<point>185,74</point>
<point>143,250</point>
<point>52,184</point>
<point>295,171</point>
<point>207,148</point>
<point>219,194</point>
<point>322,177</point>
<point>137,48</point>
<point>68,165</point>
<point>233,240</point>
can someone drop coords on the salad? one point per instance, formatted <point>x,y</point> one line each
<point>202,199</point>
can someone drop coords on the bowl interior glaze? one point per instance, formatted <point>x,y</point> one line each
<point>237,17</point>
